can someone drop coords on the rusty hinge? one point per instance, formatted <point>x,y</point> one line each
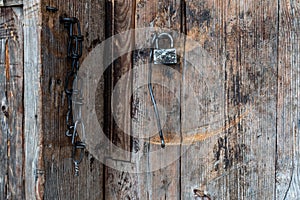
<point>11,2</point>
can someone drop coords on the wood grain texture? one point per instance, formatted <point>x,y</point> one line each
<point>233,116</point>
<point>12,112</point>
<point>122,19</point>
<point>60,182</point>
<point>12,152</point>
<point>14,108</point>
<point>240,39</point>
<point>164,182</point>
<point>33,144</point>
<point>203,98</point>
<point>4,121</point>
<point>287,163</point>
<point>121,14</point>
<point>120,184</point>
<point>11,83</point>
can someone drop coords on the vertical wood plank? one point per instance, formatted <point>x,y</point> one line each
<point>253,52</point>
<point>4,120</point>
<point>203,97</point>
<point>33,144</point>
<point>14,109</point>
<point>287,165</point>
<point>122,20</point>
<point>121,14</point>
<point>164,182</point>
<point>120,184</point>
<point>60,182</point>
<point>240,36</point>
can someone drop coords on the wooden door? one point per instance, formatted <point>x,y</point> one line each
<point>244,121</point>
<point>229,106</point>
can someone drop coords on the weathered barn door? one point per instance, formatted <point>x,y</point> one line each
<point>236,138</point>
<point>229,107</point>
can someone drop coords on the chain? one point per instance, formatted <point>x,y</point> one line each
<point>73,90</point>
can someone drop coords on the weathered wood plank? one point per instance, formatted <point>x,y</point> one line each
<point>251,46</point>
<point>4,121</point>
<point>14,109</point>
<point>164,182</point>
<point>121,14</point>
<point>59,169</point>
<point>122,20</point>
<point>33,115</point>
<point>120,184</point>
<point>12,167</point>
<point>203,96</point>
<point>287,163</point>
<point>245,86</point>
<point>240,37</point>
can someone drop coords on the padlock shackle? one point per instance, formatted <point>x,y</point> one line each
<point>164,35</point>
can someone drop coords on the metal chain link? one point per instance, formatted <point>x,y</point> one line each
<point>73,90</point>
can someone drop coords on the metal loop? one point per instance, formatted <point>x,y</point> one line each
<point>77,112</point>
<point>164,35</point>
<point>69,117</point>
<point>80,145</point>
<point>68,19</point>
<point>69,90</point>
<point>75,131</point>
<point>77,86</point>
<point>75,64</point>
<point>79,159</point>
<point>69,133</point>
<point>74,45</point>
<point>78,28</point>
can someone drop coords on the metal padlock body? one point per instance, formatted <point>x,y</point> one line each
<point>164,56</point>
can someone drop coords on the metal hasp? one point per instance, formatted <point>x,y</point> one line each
<point>160,56</point>
<point>164,56</point>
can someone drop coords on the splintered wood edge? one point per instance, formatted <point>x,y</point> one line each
<point>198,136</point>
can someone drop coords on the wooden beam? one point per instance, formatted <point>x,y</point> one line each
<point>118,124</point>
<point>33,132</point>
<point>288,104</point>
<point>11,83</point>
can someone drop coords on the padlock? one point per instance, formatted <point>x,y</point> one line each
<point>164,56</point>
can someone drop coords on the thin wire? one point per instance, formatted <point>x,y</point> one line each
<point>152,95</point>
